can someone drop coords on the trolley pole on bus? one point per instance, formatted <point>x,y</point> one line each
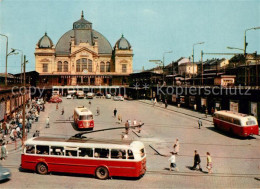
<point>24,90</point>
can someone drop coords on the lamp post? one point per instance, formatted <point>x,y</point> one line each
<point>167,52</point>
<point>245,45</point>
<point>21,63</point>
<point>199,43</point>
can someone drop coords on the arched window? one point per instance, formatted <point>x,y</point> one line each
<point>65,66</point>
<point>108,67</point>
<point>89,65</point>
<point>84,64</point>
<point>102,67</point>
<point>59,68</point>
<point>78,66</point>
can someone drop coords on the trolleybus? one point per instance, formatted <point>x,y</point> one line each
<point>83,118</point>
<point>236,123</point>
<point>102,158</point>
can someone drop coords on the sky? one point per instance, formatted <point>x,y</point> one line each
<point>151,26</point>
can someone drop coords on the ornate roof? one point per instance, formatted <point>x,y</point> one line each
<point>123,44</point>
<point>45,42</point>
<point>63,45</point>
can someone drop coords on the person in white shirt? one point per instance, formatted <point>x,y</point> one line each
<point>172,160</point>
<point>135,122</point>
<point>47,122</point>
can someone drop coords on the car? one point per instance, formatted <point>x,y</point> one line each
<point>108,96</point>
<point>118,98</point>
<point>55,100</point>
<point>69,96</point>
<point>4,173</point>
<point>90,95</point>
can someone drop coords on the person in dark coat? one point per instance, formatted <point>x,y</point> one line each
<point>196,161</point>
<point>115,111</point>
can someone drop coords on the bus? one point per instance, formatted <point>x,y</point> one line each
<point>238,124</point>
<point>98,157</point>
<point>83,118</point>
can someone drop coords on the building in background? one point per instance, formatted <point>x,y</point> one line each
<point>83,56</point>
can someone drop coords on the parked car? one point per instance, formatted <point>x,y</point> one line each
<point>4,173</point>
<point>90,95</point>
<point>55,100</point>
<point>108,96</point>
<point>80,94</point>
<point>118,98</point>
<point>69,96</point>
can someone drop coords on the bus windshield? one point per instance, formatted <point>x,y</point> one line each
<point>86,117</point>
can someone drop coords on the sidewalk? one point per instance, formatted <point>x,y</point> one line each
<point>180,110</point>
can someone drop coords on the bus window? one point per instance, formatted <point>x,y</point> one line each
<point>118,154</point>
<point>237,121</point>
<point>30,149</point>
<point>130,154</point>
<point>85,152</point>
<point>142,152</point>
<point>42,150</point>
<point>90,117</point>
<point>57,150</point>
<point>251,123</point>
<point>82,117</point>
<point>71,153</point>
<point>101,153</point>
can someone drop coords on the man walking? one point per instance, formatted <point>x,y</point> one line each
<point>47,122</point>
<point>115,111</point>
<point>173,165</point>
<point>98,111</point>
<point>196,161</point>
<point>3,151</point>
<point>62,111</point>
<point>126,127</point>
<point>199,123</point>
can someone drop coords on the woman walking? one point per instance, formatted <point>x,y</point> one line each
<point>176,147</point>
<point>209,163</point>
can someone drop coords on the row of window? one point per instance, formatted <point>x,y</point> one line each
<point>80,152</point>
<point>228,119</point>
<point>81,65</point>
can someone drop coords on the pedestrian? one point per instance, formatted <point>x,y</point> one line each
<point>47,122</point>
<point>3,151</point>
<point>135,122</point>
<point>176,147</point>
<point>166,104</point>
<point>212,110</point>
<point>36,134</point>
<point>139,126</point>
<point>172,160</point>
<point>126,127</point>
<point>4,128</point>
<point>62,111</point>
<point>209,163</point>
<point>57,106</point>
<point>154,102</point>
<point>129,122</point>
<point>89,102</point>
<point>115,111</point>
<point>196,161</point>
<point>206,112</point>
<point>119,118</point>
<point>43,107</point>
<point>98,111</point>
<point>199,123</point>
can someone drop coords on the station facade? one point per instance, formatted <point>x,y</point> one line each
<point>83,56</point>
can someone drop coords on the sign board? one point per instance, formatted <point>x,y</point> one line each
<point>254,108</point>
<point>233,106</point>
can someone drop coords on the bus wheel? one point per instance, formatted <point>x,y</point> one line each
<point>42,168</point>
<point>102,173</point>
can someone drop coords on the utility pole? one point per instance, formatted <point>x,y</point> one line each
<point>24,87</point>
<point>201,67</point>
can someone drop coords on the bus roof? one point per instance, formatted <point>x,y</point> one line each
<point>80,142</point>
<point>232,114</point>
<point>83,111</point>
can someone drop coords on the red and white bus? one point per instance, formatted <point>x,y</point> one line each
<point>236,123</point>
<point>102,158</point>
<point>83,118</point>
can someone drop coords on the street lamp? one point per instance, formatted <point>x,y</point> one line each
<point>21,62</point>
<point>163,62</point>
<point>245,43</point>
<point>199,43</point>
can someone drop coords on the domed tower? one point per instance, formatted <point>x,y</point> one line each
<point>123,56</point>
<point>44,55</point>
